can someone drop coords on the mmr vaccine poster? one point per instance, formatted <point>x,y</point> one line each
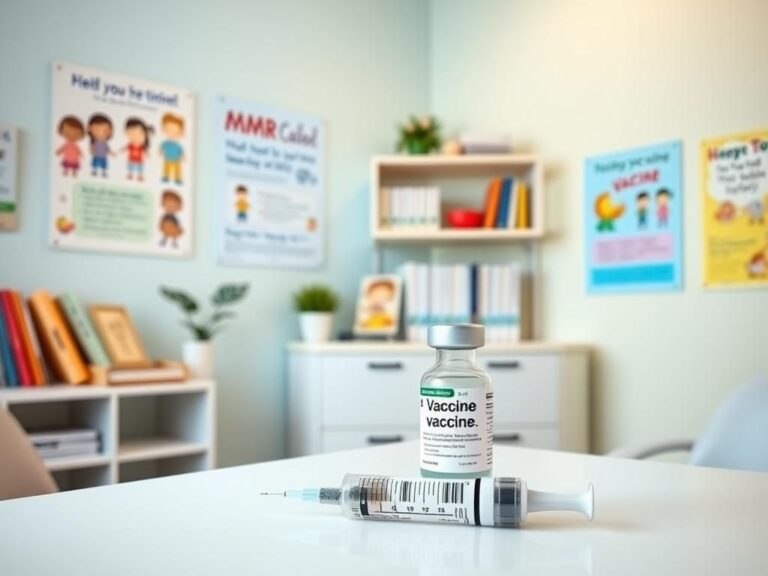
<point>122,164</point>
<point>734,196</point>
<point>270,186</point>
<point>633,220</point>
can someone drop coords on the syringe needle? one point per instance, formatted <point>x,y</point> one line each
<point>283,494</point>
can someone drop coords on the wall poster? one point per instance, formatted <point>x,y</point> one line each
<point>122,164</point>
<point>734,195</point>
<point>9,193</point>
<point>633,220</point>
<point>269,186</point>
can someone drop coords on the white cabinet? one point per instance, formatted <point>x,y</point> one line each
<point>145,431</point>
<point>344,395</point>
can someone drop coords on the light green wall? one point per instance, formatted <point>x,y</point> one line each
<point>359,64</point>
<point>570,78</point>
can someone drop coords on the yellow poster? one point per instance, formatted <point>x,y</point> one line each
<point>734,195</point>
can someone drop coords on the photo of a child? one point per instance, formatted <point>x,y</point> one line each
<point>72,130</point>
<point>378,308</point>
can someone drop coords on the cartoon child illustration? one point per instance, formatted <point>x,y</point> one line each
<point>137,133</point>
<point>726,212</point>
<point>379,297</point>
<point>607,212</point>
<point>72,130</point>
<point>100,132</point>
<point>170,149</point>
<point>241,203</point>
<point>756,211</point>
<point>662,207</point>
<point>641,206</point>
<point>170,227</point>
<point>757,265</point>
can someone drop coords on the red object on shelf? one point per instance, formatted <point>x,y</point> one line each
<point>461,218</point>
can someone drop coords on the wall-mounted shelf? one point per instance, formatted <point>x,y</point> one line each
<point>463,181</point>
<point>145,430</point>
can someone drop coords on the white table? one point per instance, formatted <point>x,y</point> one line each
<point>650,519</point>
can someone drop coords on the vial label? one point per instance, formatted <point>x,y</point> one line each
<point>456,429</point>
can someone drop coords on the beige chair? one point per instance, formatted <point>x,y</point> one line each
<point>22,472</point>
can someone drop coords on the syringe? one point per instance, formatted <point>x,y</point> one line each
<point>501,502</point>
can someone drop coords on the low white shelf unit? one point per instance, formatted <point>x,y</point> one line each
<point>145,431</point>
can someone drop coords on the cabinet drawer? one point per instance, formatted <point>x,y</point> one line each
<point>544,438</point>
<point>525,388</point>
<point>373,390</point>
<point>349,440</point>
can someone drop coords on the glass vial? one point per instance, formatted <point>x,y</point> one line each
<point>456,406</point>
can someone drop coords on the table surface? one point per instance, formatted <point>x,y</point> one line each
<point>650,518</point>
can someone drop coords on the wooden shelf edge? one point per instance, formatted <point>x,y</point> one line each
<point>157,448</point>
<point>76,462</point>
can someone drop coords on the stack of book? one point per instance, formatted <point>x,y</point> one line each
<point>488,294</point>
<point>410,207</point>
<point>484,144</point>
<point>45,340</point>
<point>67,442</point>
<point>508,204</point>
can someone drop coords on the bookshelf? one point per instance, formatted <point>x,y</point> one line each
<point>146,430</point>
<point>463,180</point>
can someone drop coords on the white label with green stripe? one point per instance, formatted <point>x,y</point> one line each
<point>456,429</point>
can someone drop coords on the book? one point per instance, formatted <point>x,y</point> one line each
<point>9,368</point>
<point>57,342</point>
<point>503,213</point>
<point>68,449</point>
<point>27,330</point>
<point>13,329</point>
<point>522,212</point>
<point>80,323</point>
<point>492,203</point>
<point>514,200</point>
<point>63,435</point>
<point>36,350</point>
<point>161,371</point>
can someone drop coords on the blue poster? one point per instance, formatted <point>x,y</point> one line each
<point>633,220</point>
<point>269,186</point>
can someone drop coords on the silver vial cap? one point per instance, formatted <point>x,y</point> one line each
<point>456,336</point>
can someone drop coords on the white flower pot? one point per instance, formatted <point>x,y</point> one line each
<point>316,326</point>
<point>198,357</point>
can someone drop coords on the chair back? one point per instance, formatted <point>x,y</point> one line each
<point>737,435</point>
<point>22,471</point>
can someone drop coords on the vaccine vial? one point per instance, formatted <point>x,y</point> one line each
<point>456,406</point>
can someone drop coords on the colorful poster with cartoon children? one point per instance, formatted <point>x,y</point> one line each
<point>270,186</point>
<point>121,158</point>
<point>734,200</point>
<point>633,220</point>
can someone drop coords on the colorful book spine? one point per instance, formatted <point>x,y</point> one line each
<point>523,208</point>
<point>492,203</point>
<point>15,339</point>
<point>57,342</point>
<point>9,367</point>
<point>503,213</point>
<point>27,331</point>
<point>80,323</point>
<point>514,201</point>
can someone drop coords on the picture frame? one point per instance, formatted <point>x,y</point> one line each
<point>378,305</point>
<point>119,336</point>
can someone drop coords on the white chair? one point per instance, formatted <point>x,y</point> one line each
<point>736,436</point>
<point>22,472</point>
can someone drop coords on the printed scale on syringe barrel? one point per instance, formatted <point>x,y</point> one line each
<point>441,500</point>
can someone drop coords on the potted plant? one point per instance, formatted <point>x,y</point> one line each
<point>419,136</point>
<point>198,352</point>
<point>315,304</point>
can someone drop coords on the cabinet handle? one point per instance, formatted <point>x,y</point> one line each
<point>513,437</point>
<point>384,439</point>
<point>504,364</point>
<point>385,365</point>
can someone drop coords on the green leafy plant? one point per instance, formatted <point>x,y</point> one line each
<point>315,298</point>
<point>204,326</point>
<point>419,136</point>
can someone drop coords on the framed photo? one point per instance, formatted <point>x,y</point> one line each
<point>378,306</point>
<point>119,337</point>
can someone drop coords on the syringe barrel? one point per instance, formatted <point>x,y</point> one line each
<point>501,501</point>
